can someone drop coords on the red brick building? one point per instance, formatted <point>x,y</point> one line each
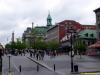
<point>88,27</point>
<point>63,27</point>
<point>59,31</point>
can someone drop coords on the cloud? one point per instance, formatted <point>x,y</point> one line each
<point>17,15</point>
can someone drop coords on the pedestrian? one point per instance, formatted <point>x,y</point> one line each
<point>30,53</point>
<point>37,55</point>
<point>34,53</point>
<point>42,54</point>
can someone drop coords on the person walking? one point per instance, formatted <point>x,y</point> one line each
<point>37,55</point>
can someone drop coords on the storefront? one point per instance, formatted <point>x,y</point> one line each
<point>94,49</point>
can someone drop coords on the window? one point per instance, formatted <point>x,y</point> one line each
<point>99,35</point>
<point>99,25</point>
<point>86,34</point>
<point>70,23</point>
<point>92,35</point>
<point>98,18</point>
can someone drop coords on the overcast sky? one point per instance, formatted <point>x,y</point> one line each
<point>17,15</point>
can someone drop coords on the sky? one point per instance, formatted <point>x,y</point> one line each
<point>17,15</point>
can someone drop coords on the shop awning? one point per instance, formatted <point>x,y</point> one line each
<point>95,45</point>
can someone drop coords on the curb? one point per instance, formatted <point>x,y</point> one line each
<point>43,65</point>
<point>91,72</point>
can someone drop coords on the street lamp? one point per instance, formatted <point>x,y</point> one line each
<point>71,31</point>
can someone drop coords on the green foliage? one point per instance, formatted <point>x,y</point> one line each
<point>52,45</point>
<point>39,43</point>
<point>16,45</point>
<point>8,46</point>
<point>13,45</point>
<point>79,46</point>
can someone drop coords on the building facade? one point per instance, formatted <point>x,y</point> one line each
<point>58,31</point>
<point>26,37</point>
<point>93,27</point>
<point>88,36</point>
<point>52,34</point>
<point>30,34</point>
<point>97,12</point>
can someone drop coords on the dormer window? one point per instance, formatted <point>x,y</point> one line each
<point>91,35</point>
<point>86,34</point>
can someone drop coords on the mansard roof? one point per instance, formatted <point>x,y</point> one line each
<point>87,33</point>
<point>40,29</point>
<point>97,10</point>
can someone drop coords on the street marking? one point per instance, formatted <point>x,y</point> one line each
<point>90,73</point>
<point>40,64</point>
<point>45,66</point>
<point>16,68</point>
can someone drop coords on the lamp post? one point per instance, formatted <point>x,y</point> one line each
<point>71,54</point>
<point>71,31</point>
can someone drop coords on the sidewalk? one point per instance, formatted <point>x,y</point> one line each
<point>45,64</point>
<point>28,67</point>
<point>85,64</point>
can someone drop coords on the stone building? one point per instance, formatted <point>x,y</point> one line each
<point>40,31</point>
<point>97,12</point>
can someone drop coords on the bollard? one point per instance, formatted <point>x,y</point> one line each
<point>54,67</point>
<point>20,69</point>
<point>37,68</point>
<point>9,64</point>
<point>75,68</point>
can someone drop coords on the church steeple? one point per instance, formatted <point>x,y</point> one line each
<point>49,20</point>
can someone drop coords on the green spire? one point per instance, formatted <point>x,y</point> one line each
<point>49,20</point>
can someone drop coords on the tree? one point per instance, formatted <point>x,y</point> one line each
<point>79,46</point>
<point>7,46</point>
<point>13,45</point>
<point>20,45</point>
<point>52,45</point>
<point>39,43</point>
<point>16,45</point>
